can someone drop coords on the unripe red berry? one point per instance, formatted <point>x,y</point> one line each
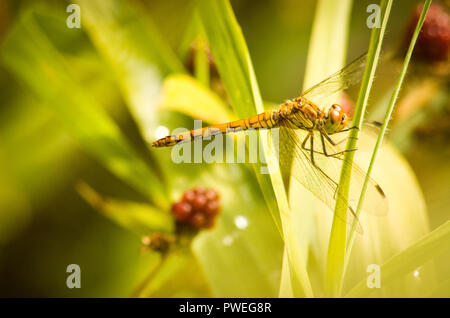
<point>199,191</point>
<point>199,202</point>
<point>212,208</point>
<point>211,195</point>
<point>182,211</point>
<point>198,207</point>
<point>189,196</point>
<point>198,220</point>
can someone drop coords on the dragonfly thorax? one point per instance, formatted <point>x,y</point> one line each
<point>304,114</point>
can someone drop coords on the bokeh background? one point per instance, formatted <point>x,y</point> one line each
<point>44,222</point>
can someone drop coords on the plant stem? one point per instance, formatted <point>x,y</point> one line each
<point>201,61</point>
<point>337,244</point>
<point>386,120</point>
<point>138,290</point>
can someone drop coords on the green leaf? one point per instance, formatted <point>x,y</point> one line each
<point>140,218</point>
<point>430,246</point>
<point>34,59</point>
<point>185,95</point>
<point>235,68</point>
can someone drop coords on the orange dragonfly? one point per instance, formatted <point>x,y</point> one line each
<point>306,144</point>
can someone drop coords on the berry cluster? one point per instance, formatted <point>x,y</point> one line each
<point>433,44</point>
<point>198,208</point>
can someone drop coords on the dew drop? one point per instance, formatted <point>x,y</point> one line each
<point>241,222</point>
<point>228,240</point>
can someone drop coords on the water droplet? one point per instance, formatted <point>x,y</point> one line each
<point>241,222</point>
<point>161,132</point>
<point>228,240</point>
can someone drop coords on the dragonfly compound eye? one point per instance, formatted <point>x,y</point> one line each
<point>344,122</point>
<point>335,116</point>
<point>334,120</point>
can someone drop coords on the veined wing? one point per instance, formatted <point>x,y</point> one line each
<point>345,78</point>
<point>322,177</point>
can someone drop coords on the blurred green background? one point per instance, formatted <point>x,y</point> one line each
<point>44,223</point>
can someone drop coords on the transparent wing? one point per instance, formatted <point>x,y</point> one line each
<point>321,177</point>
<point>347,77</point>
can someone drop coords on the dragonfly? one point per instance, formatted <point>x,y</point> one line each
<point>308,142</point>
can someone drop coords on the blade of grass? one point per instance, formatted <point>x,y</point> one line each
<point>329,34</point>
<point>430,246</point>
<point>236,70</point>
<point>232,59</point>
<point>337,243</point>
<point>201,68</point>
<point>386,120</point>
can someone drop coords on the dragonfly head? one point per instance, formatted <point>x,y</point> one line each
<point>335,120</point>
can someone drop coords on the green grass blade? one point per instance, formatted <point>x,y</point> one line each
<point>34,59</point>
<point>432,245</point>
<point>233,61</point>
<point>329,34</point>
<point>337,244</point>
<point>386,120</point>
<point>201,68</point>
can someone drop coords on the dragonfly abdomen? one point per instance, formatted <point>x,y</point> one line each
<point>268,119</point>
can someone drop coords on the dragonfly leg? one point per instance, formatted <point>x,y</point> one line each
<point>334,143</point>
<point>311,150</point>
<point>305,140</point>
<point>341,141</point>
<point>336,154</point>
<point>350,128</point>
<point>311,138</point>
